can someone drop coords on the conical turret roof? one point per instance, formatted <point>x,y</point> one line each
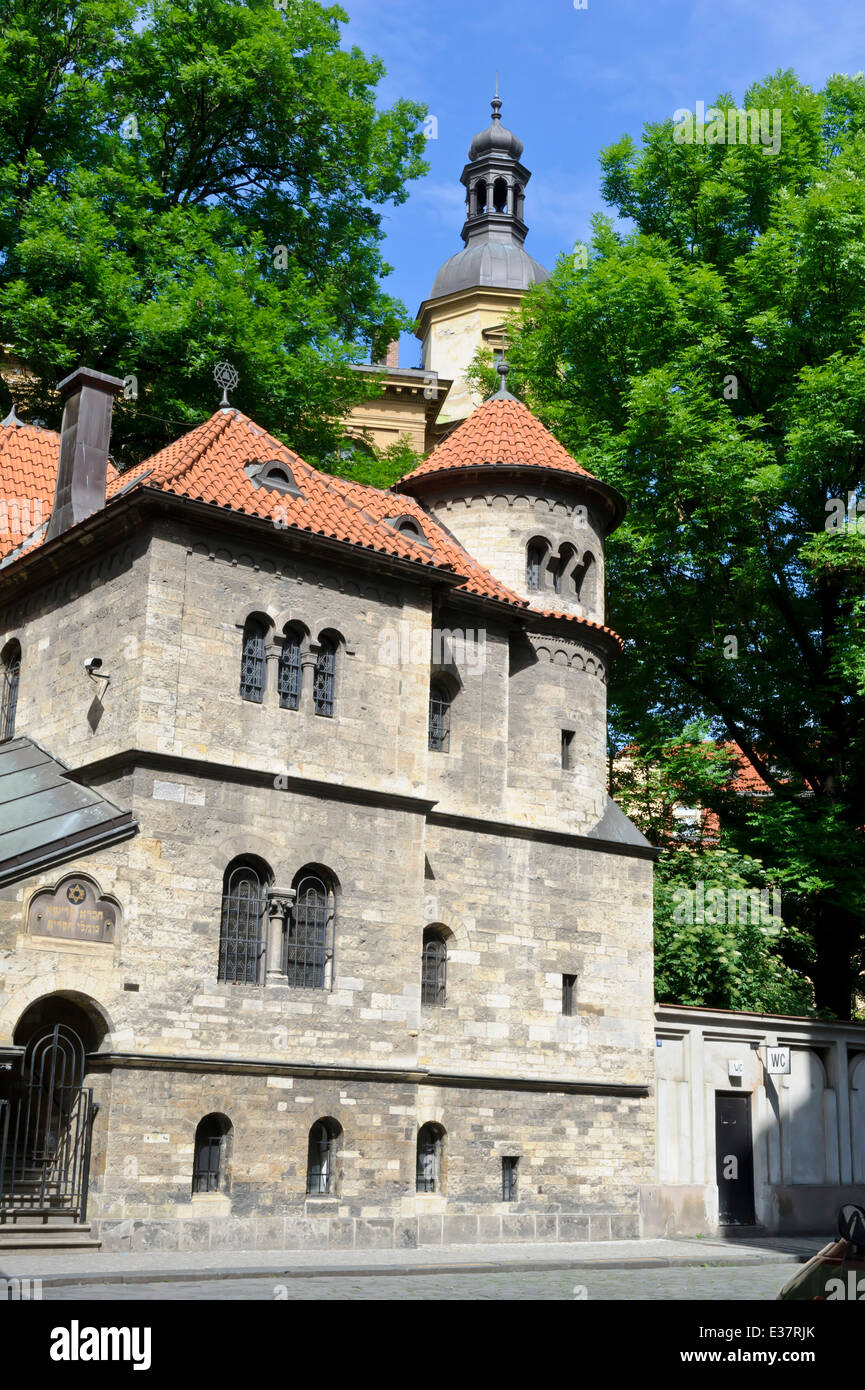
<point>503,434</point>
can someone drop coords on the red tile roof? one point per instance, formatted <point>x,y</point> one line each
<point>208,465</point>
<point>584,622</point>
<point>501,431</point>
<point>29,458</point>
<point>28,472</point>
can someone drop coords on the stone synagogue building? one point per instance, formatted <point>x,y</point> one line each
<point>317,924</point>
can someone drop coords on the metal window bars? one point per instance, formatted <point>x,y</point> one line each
<point>321,1165</point>
<point>434,970</point>
<point>241,934</point>
<point>11,679</point>
<point>306,943</point>
<point>252,664</point>
<point>324,677</point>
<point>289,674</point>
<point>510,1168</point>
<point>439,718</point>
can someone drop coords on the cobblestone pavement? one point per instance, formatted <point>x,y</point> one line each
<point>723,1285</point>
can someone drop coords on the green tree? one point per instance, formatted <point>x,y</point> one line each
<point>722,934</point>
<point>186,181</point>
<point>716,943</point>
<point>709,361</point>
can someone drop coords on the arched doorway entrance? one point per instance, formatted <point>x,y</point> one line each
<point>46,1114</point>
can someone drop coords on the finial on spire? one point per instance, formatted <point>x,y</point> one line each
<point>497,81</point>
<point>503,366</point>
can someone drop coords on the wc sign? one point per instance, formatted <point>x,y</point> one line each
<point>778,1061</point>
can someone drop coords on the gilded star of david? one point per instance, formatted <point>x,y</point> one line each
<point>76,893</point>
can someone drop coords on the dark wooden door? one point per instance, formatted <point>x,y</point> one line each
<point>734,1159</point>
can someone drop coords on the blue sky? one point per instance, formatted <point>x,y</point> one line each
<point>571,82</point>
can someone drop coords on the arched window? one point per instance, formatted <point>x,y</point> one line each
<point>321,1167</point>
<point>289,673</point>
<point>309,941</point>
<point>535,552</point>
<point>11,677</point>
<point>252,662</point>
<point>241,932</point>
<point>324,679</point>
<point>210,1164</point>
<point>500,196</point>
<point>480,197</point>
<point>434,969</point>
<point>439,717</point>
<point>430,1145</point>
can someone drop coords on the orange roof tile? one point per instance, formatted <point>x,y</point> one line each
<point>501,431</point>
<point>28,473</point>
<point>584,622</point>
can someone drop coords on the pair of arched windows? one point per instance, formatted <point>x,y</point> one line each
<point>11,676</point>
<point>306,947</point>
<point>289,676</point>
<point>563,572</point>
<point>210,1166</point>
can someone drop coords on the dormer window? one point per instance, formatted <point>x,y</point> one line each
<point>275,475</point>
<point>407,526</point>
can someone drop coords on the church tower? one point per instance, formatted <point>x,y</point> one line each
<point>476,288</point>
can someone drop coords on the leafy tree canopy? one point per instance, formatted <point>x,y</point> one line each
<point>189,181</point>
<point>709,361</point>
<point>721,938</point>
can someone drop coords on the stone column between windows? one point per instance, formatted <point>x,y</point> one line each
<point>272,653</point>
<point>279,903</point>
<point>307,662</point>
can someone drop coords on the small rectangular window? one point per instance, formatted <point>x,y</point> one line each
<point>510,1167</point>
<point>569,995</point>
<point>567,742</point>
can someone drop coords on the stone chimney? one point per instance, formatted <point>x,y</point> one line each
<point>392,357</point>
<point>88,398</point>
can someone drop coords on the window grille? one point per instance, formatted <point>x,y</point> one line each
<point>253,661</point>
<point>569,995</point>
<point>208,1163</point>
<point>429,1158</point>
<point>289,674</point>
<point>241,935</point>
<point>306,947</point>
<point>324,677</point>
<point>534,560</point>
<point>434,971</point>
<point>510,1167</point>
<point>322,1159</point>
<point>11,679</point>
<point>439,718</point>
